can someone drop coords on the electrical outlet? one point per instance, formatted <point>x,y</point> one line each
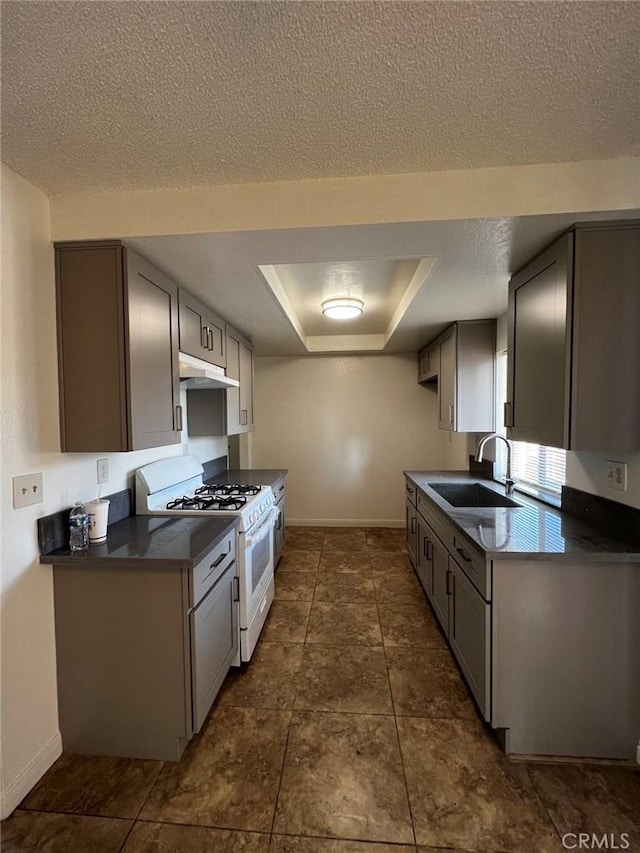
<point>103,471</point>
<point>27,490</point>
<point>616,475</point>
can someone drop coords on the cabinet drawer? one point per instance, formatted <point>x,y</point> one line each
<point>411,492</point>
<point>207,571</point>
<point>474,565</point>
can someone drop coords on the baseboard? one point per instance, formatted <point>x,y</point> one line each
<point>345,522</point>
<point>12,796</point>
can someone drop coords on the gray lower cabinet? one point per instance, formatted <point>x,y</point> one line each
<point>549,647</point>
<point>280,526</point>
<point>574,348</point>
<point>463,614</point>
<point>423,564</point>
<point>117,318</point>
<point>141,651</point>
<point>215,633</point>
<point>440,587</point>
<point>470,635</point>
<point>411,523</point>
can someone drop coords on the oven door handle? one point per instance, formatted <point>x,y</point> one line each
<point>257,534</point>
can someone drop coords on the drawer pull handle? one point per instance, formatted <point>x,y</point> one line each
<point>413,525</point>
<point>464,556</point>
<point>428,548</point>
<point>217,562</point>
<point>281,489</point>
<point>448,582</point>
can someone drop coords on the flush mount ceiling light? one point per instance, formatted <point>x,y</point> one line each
<point>343,308</point>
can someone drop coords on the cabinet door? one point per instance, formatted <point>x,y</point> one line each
<point>216,339</point>
<point>447,381</point>
<point>193,326</point>
<point>539,341</point>
<point>233,394</point>
<point>440,595</point>
<point>470,636</point>
<point>605,405</point>
<point>239,401</point>
<point>428,364</point>
<point>424,556</point>
<point>246,386</point>
<point>91,322</point>
<point>412,532</point>
<point>278,530</point>
<point>154,413</point>
<point>214,643</point>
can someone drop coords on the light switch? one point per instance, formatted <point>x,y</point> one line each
<point>27,490</point>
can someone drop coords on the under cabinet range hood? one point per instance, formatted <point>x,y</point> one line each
<point>196,373</point>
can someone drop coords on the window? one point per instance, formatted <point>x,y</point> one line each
<point>535,468</point>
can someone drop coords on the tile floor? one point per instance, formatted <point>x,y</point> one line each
<point>350,731</point>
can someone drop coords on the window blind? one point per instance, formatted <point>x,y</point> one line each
<point>532,465</point>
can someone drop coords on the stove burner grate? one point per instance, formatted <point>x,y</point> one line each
<point>219,489</point>
<point>207,502</point>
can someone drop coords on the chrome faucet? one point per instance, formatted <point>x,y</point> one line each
<point>509,483</point>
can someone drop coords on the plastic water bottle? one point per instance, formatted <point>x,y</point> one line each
<point>78,528</point>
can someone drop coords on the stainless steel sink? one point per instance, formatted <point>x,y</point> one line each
<point>471,494</point>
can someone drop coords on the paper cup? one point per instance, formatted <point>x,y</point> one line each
<point>98,512</point>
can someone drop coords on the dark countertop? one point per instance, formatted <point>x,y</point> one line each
<point>172,543</point>
<point>533,529</point>
<point>250,476</point>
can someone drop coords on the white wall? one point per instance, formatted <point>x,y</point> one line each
<point>30,740</point>
<point>346,427</point>
<point>587,471</point>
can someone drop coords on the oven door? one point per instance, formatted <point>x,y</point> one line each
<point>256,548</point>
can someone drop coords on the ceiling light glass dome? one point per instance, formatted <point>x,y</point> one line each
<point>343,308</point>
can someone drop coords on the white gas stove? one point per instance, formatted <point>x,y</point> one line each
<point>175,487</point>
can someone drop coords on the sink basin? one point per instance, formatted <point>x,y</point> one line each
<point>471,494</point>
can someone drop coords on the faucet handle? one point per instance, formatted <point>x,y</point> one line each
<point>509,485</point>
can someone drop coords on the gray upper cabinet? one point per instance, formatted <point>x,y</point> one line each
<point>240,367</point>
<point>216,335</point>
<point>193,326</point>
<point>202,332</point>
<point>228,412</point>
<point>447,381</point>
<point>538,398</point>
<point>117,320</point>
<point>428,364</point>
<point>463,360</point>
<point>574,347</point>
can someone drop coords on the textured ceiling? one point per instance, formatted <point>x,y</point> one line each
<point>128,95</point>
